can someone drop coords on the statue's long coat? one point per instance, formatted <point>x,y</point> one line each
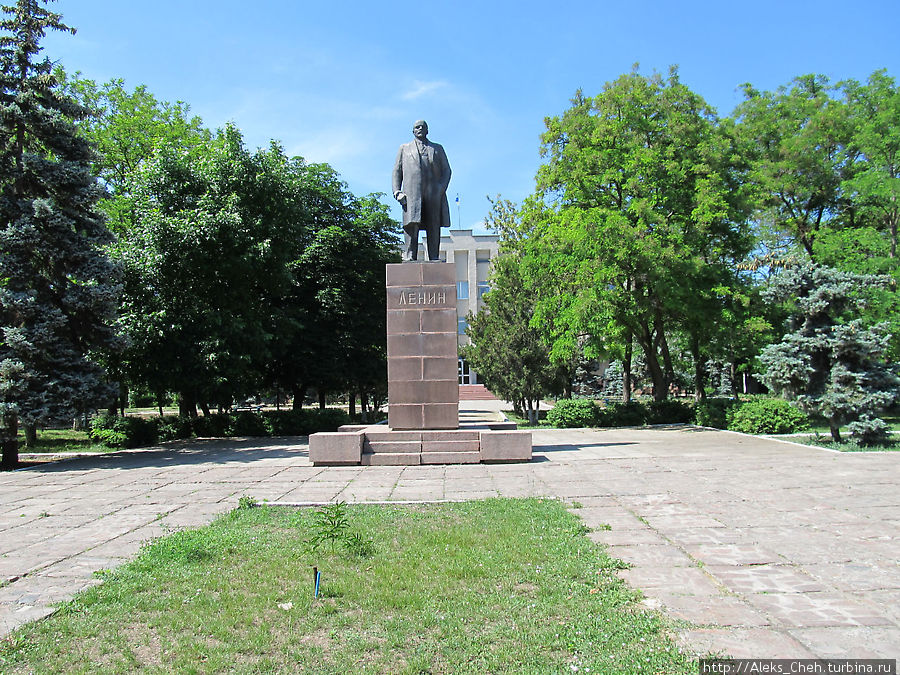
<point>407,178</point>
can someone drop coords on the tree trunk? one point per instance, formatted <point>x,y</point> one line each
<point>626,371</point>
<point>732,374</point>
<point>9,443</point>
<point>532,412</point>
<point>699,380</point>
<point>321,399</point>
<point>30,435</point>
<point>892,226</point>
<point>297,393</point>
<point>835,430</point>
<point>668,369</point>
<point>351,403</point>
<point>364,406</point>
<point>187,405</point>
<point>647,343</point>
<point>204,406</point>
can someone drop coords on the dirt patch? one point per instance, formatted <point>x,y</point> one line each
<point>320,638</point>
<point>144,644</point>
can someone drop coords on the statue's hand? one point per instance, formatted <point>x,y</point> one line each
<point>401,197</point>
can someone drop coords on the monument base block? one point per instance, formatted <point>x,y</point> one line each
<point>378,445</point>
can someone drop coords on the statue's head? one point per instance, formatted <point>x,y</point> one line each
<point>420,129</point>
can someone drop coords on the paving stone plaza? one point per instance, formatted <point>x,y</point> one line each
<point>763,549</point>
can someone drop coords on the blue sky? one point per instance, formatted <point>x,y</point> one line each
<point>342,82</point>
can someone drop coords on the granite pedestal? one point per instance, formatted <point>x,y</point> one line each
<point>423,391</point>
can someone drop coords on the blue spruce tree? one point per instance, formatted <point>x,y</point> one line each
<point>58,288</point>
<point>830,362</point>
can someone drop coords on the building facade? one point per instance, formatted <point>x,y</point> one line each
<point>471,254</point>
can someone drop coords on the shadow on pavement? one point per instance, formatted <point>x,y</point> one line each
<point>195,451</point>
<point>583,446</point>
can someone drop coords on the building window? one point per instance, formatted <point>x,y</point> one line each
<point>462,290</point>
<point>461,325</point>
<point>465,375</point>
<point>483,288</point>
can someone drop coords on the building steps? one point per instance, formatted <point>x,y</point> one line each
<point>475,392</point>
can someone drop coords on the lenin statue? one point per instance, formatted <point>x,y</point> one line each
<point>420,179</point>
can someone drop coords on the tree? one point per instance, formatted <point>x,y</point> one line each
<point>58,289</point>
<point>247,271</point>
<point>343,272</point>
<point>128,128</point>
<point>795,140</point>
<point>508,348</point>
<point>507,351</point>
<point>874,188</point>
<point>830,362</point>
<point>638,220</point>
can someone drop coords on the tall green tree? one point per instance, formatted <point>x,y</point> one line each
<point>874,188</point>
<point>639,219</point>
<point>795,140</point>
<point>343,272</point>
<point>193,263</point>
<point>509,353</point>
<point>252,270</point>
<point>128,127</point>
<point>58,290</point>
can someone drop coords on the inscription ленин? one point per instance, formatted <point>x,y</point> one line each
<point>420,298</point>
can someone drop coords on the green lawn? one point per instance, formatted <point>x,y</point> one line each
<point>848,445</point>
<point>480,587</point>
<point>522,422</point>
<point>62,440</point>
<point>819,434</point>
<point>892,419</point>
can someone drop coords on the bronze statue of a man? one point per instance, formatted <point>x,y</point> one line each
<point>420,179</point>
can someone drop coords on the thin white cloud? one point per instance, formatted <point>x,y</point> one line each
<point>420,89</point>
<point>336,146</point>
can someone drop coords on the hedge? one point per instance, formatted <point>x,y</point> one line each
<point>766,416</point>
<point>136,432</point>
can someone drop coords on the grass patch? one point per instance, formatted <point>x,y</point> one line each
<point>62,440</point>
<point>522,422</point>
<point>850,445</point>
<point>494,586</point>
<point>818,425</point>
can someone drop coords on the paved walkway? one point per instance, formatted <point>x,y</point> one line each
<point>768,549</point>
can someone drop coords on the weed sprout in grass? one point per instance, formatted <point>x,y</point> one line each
<point>331,525</point>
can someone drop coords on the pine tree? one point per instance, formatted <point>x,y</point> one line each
<point>830,362</point>
<point>58,288</point>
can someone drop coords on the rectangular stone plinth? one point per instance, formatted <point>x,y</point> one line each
<point>423,391</point>
<point>381,446</point>
<point>336,448</point>
<point>505,446</point>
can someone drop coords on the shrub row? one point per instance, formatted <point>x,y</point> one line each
<point>582,412</point>
<point>138,432</point>
<point>757,416</point>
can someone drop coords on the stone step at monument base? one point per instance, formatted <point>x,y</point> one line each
<point>381,446</point>
<point>387,459</point>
